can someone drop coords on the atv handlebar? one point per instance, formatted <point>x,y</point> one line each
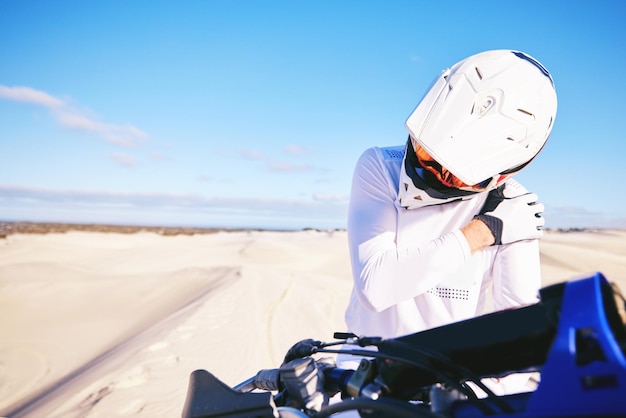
<point>575,337</point>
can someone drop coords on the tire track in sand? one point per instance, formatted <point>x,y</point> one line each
<point>50,399</point>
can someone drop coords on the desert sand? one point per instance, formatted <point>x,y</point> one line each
<point>111,324</point>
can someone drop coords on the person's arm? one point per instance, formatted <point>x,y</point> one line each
<point>517,229</point>
<point>478,235</point>
<point>517,274</point>
<point>385,274</point>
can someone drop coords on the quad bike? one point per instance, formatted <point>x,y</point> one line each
<point>574,338</point>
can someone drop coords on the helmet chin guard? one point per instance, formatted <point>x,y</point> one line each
<point>419,189</point>
<point>489,114</point>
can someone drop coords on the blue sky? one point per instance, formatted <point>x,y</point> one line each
<point>253,113</point>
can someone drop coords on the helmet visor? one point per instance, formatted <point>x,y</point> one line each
<point>445,176</point>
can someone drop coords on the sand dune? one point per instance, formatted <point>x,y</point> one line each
<point>566,255</point>
<point>97,324</point>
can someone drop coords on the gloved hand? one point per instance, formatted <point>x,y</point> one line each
<point>301,349</point>
<point>512,214</point>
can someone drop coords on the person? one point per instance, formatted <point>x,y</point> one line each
<point>438,229</point>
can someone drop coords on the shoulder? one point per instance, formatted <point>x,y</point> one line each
<point>378,168</point>
<point>395,153</point>
<point>382,156</point>
<point>514,188</point>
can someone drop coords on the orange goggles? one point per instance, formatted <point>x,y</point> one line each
<point>445,177</point>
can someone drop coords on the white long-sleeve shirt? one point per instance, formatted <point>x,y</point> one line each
<point>413,269</point>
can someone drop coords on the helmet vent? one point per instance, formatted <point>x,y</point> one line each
<point>525,112</point>
<point>480,75</point>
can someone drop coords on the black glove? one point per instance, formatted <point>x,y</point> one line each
<point>512,214</point>
<point>301,349</point>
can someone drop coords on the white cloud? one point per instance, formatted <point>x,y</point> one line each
<point>332,197</point>
<point>29,95</point>
<point>146,199</point>
<point>166,208</point>
<point>279,166</point>
<point>286,167</point>
<point>125,136</point>
<point>71,118</point>
<point>159,156</point>
<point>124,160</point>
<point>296,150</point>
<point>251,154</point>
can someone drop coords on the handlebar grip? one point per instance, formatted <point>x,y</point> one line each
<point>267,379</point>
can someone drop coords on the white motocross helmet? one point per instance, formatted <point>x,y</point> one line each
<point>486,117</point>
